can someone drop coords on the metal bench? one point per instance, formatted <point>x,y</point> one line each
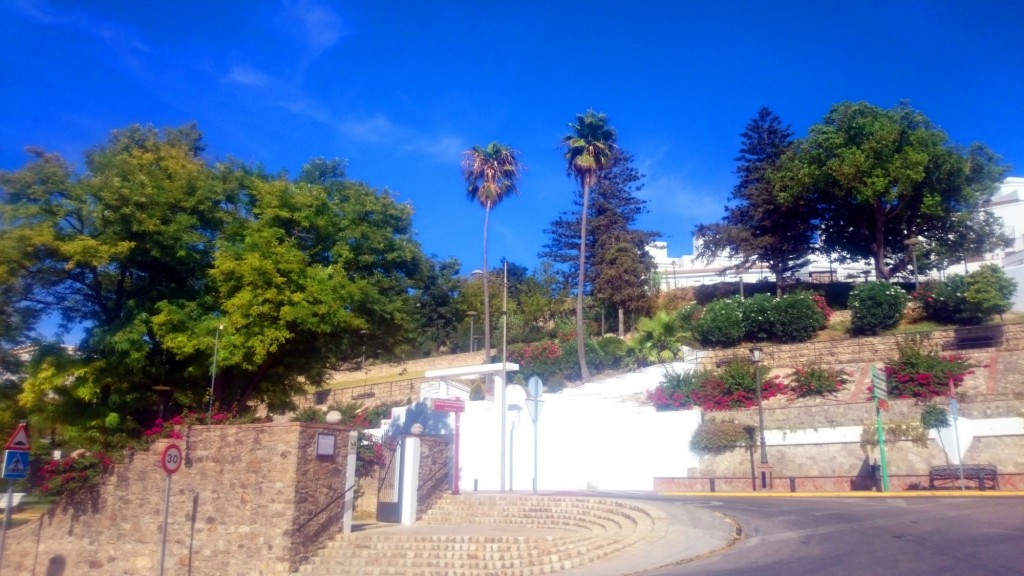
<point>973,338</point>
<point>985,475</point>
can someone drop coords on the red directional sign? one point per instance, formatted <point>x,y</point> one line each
<point>449,405</point>
<point>19,440</point>
<point>171,459</point>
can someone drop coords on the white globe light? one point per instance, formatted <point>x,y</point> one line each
<point>333,417</point>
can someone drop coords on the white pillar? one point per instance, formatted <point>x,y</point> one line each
<point>350,481</point>
<point>410,479</point>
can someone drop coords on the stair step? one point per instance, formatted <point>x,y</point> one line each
<point>490,535</point>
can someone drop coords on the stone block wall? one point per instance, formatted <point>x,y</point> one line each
<point>250,500</point>
<point>854,350</point>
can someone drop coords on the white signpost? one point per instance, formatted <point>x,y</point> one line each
<point>16,464</point>
<point>533,405</point>
<point>170,460</point>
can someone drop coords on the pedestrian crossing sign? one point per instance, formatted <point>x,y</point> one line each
<point>15,464</point>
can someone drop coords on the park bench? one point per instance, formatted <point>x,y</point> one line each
<point>973,338</point>
<point>984,475</point>
<point>15,500</point>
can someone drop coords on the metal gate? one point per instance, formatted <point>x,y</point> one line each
<point>389,500</point>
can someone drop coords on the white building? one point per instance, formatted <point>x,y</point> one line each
<point>686,270</point>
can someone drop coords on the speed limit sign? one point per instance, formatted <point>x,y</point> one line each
<point>171,459</point>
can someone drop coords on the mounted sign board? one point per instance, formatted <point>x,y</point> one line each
<point>880,388</point>
<point>456,405</point>
<point>325,444</point>
<point>171,459</point>
<point>19,440</point>
<point>535,386</point>
<point>15,464</point>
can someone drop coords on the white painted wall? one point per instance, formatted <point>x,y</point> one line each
<point>598,436</point>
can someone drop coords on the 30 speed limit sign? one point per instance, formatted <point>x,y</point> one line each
<point>171,459</point>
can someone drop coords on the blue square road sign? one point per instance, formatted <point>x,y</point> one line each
<point>15,464</point>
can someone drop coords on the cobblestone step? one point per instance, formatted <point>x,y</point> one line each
<point>491,535</point>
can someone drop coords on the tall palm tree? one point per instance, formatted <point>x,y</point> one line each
<point>588,153</point>
<point>491,175</point>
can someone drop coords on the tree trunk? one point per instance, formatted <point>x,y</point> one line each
<point>487,292</point>
<point>580,335</point>
<point>622,322</point>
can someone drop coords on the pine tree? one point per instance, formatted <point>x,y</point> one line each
<point>614,245</point>
<point>759,227</point>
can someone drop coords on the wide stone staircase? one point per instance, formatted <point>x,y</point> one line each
<point>492,535</point>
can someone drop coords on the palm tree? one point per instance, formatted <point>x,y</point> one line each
<point>490,173</point>
<point>588,153</point>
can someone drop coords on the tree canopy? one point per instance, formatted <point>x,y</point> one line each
<point>758,228</point>
<point>152,249</point>
<point>878,178</point>
<point>619,269</point>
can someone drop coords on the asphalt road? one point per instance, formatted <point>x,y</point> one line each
<point>869,536</point>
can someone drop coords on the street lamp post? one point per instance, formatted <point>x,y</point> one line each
<point>913,242</point>
<point>213,373</point>
<point>504,370</point>
<point>472,316</point>
<point>755,358</point>
<point>504,357</point>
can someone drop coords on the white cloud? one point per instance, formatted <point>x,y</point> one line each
<point>247,76</point>
<point>320,27</point>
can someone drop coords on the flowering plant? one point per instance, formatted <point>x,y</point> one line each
<point>76,472</point>
<point>173,428</point>
<point>728,389</point>
<point>541,358</point>
<point>822,305</point>
<point>369,455</point>
<point>806,382</point>
<point>923,375</point>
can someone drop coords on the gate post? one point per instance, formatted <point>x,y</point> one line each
<point>409,475</point>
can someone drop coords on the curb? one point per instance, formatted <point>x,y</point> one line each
<point>895,494</point>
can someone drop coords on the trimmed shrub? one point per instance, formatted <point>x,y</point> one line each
<point>688,316</point>
<point>713,437</point>
<point>796,318</point>
<point>970,299</point>
<point>944,301</point>
<point>614,351</point>
<point>721,324</point>
<point>989,291</point>
<point>876,306</point>
<point>757,317</point>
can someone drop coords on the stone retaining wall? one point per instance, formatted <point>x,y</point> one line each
<point>853,350</point>
<point>250,500</point>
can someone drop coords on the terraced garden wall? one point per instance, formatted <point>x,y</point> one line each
<point>250,500</point>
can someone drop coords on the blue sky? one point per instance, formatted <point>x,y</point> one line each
<point>400,88</point>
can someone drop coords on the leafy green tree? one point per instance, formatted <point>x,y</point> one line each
<point>878,177</point>
<point>989,291</point>
<point>438,309</point>
<point>621,278</point>
<point>759,228</point>
<point>614,208</point>
<point>151,251</point>
<point>491,174</point>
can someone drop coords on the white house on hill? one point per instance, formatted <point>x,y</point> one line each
<point>686,270</point>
